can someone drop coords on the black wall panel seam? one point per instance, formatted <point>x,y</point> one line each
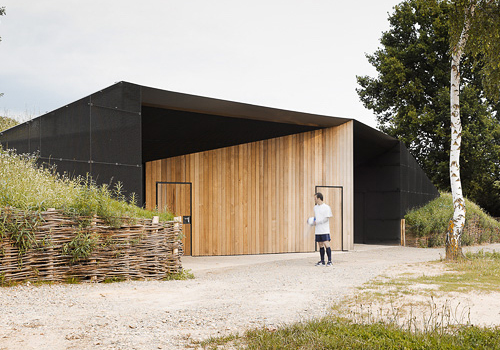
<point>114,109</point>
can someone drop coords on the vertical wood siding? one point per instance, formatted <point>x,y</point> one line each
<point>255,198</point>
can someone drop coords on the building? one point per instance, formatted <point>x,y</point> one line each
<point>241,176</point>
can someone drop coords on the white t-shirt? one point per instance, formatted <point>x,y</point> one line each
<point>322,213</point>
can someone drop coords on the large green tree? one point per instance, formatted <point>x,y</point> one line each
<point>410,97</point>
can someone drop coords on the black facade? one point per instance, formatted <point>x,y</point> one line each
<point>386,186</point>
<point>99,135</point>
<point>112,133</point>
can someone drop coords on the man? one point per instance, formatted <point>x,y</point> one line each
<point>322,215</point>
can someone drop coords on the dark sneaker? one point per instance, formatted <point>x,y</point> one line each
<point>320,263</point>
<point>329,264</point>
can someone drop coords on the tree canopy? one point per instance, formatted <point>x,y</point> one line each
<point>411,99</point>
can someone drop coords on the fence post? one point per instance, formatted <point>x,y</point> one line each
<point>403,233</point>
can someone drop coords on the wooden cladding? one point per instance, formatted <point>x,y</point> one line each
<point>255,198</point>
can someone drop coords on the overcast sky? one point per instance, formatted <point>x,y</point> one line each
<point>290,54</point>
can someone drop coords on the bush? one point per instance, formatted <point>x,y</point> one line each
<point>432,221</point>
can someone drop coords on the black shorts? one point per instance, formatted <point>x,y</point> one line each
<point>322,238</point>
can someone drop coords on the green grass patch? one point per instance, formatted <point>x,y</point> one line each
<point>340,333</point>
<point>432,221</point>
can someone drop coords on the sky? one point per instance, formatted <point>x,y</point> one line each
<point>290,54</point>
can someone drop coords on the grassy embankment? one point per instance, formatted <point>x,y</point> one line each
<point>26,185</point>
<point>438,328</point>
<point>432,220</point>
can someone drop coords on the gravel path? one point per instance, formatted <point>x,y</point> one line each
<point>229,294</point>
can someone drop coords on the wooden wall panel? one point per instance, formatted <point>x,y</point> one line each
<point>255,198</point>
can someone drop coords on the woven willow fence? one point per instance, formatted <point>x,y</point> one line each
<point>51,246</point>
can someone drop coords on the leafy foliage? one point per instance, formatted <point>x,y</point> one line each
<point>411,99</point>
<point>81,247</point>
<point>20,229</point>
<point>483,42</point>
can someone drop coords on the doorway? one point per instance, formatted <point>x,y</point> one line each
<point>176,198</point>
<point>334,197</point>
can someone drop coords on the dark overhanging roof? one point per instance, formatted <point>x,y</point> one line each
<point>241,122</point>
<point>368,142</point>
<point>184,102</point>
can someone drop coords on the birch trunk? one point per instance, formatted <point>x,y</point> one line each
<point>455,228</point>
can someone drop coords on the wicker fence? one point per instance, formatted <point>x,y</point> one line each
<point>51,246</point>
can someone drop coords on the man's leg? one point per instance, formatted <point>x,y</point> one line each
<point>326,244</point>
<point>322,251</point>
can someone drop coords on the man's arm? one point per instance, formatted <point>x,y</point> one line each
<point>320,220</point>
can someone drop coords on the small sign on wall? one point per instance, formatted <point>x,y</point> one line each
<point>186,220</point>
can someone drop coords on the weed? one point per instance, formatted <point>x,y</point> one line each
<point>182,275</point>
<point>80,247</point>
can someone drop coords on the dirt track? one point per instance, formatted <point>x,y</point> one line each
<point>228,294</point>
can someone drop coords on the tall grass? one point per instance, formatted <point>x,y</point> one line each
<point>26,185</point>
<point>432,220</point>
<point>341,333</point>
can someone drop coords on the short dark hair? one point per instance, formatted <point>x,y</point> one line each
<point>319,195</point>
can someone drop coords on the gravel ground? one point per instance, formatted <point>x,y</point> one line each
<point>229,294</point>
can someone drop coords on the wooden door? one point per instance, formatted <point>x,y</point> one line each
<point>333,196</point>
<point>176,197</point>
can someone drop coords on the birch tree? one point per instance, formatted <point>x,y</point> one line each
<point>410,97</point>
<point>475,31</point>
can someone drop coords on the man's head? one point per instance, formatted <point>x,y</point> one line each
<point>318,198</point>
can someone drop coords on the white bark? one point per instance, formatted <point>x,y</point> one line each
<point>456,139</point>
